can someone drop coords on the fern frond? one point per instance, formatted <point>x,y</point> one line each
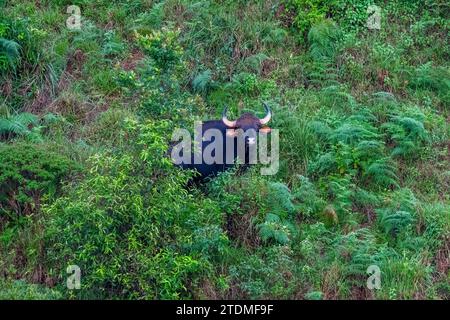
<point>369,148</point>
<point>308,196</point>
<point>274,229</point>
<point>364,197</point>
<point>255,61</point>
<point>339,95</point>
<point>321,129</point>
<point>25,118</point>
<point>280,197</point>
<point>408,134</point>
<point>325,163</point>
<point>352,132</point>
<point>10,52</point>
<point>384,96</point>
<point>18,124</point>
<point>382,172</point>
<point>394,222</point>
<point>414,128</point>
<point>202,81</point>
<point>323,39</point>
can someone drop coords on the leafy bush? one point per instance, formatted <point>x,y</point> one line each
<point>131,212</point>
<point>28,173</point>
<point>307,13</point>
<point>163,47</point>
<point>351,14</point>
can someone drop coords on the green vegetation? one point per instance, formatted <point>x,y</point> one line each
<point>86,118</point>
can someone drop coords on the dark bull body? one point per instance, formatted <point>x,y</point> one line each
<point>232,132</point>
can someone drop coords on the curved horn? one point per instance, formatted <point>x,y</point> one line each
<point>266,119</point>
<point>228,123</point>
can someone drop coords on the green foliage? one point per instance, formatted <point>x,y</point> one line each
<point>158,81</point>
<point>19,44</point>
<point>28,173</point>
<point>227,43</point>
<point>354,148</point>
<point>246,83</point>
<point>399,214</point>
<point>280,198</point>
<point>351,14</point>
<point>20,290</point>
<point>297,142</point>
<point>112,45</point>
<point>202,82</point>
<point>264,274</point>
<point>314,295</point>
<point>323,38</point>
<point>153,17</point>
<point>162,47</point>
<point>307,13</point>
<point>408,134</point>
<point>308,196</point>
<point>27,125</point>
<point>395,221</point>
<point>9,54</point>
<point>22,124</point>
<point>433,78</point>
<point>140,196</point>
<point>274,229</point>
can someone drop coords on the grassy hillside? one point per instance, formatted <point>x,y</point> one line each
<point>86,116</point>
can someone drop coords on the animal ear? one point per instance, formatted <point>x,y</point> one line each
<point>265,130</point>
<point>232,133</point>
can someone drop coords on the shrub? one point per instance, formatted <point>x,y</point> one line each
<point>29,172</point>
<point>162,46</point>
<point>351,14</point>
<point>307,13</point>
<point>132,212</point>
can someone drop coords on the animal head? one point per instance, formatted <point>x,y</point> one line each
<point>248,125</point>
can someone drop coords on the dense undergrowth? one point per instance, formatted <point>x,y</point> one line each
<point>86,117</point>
